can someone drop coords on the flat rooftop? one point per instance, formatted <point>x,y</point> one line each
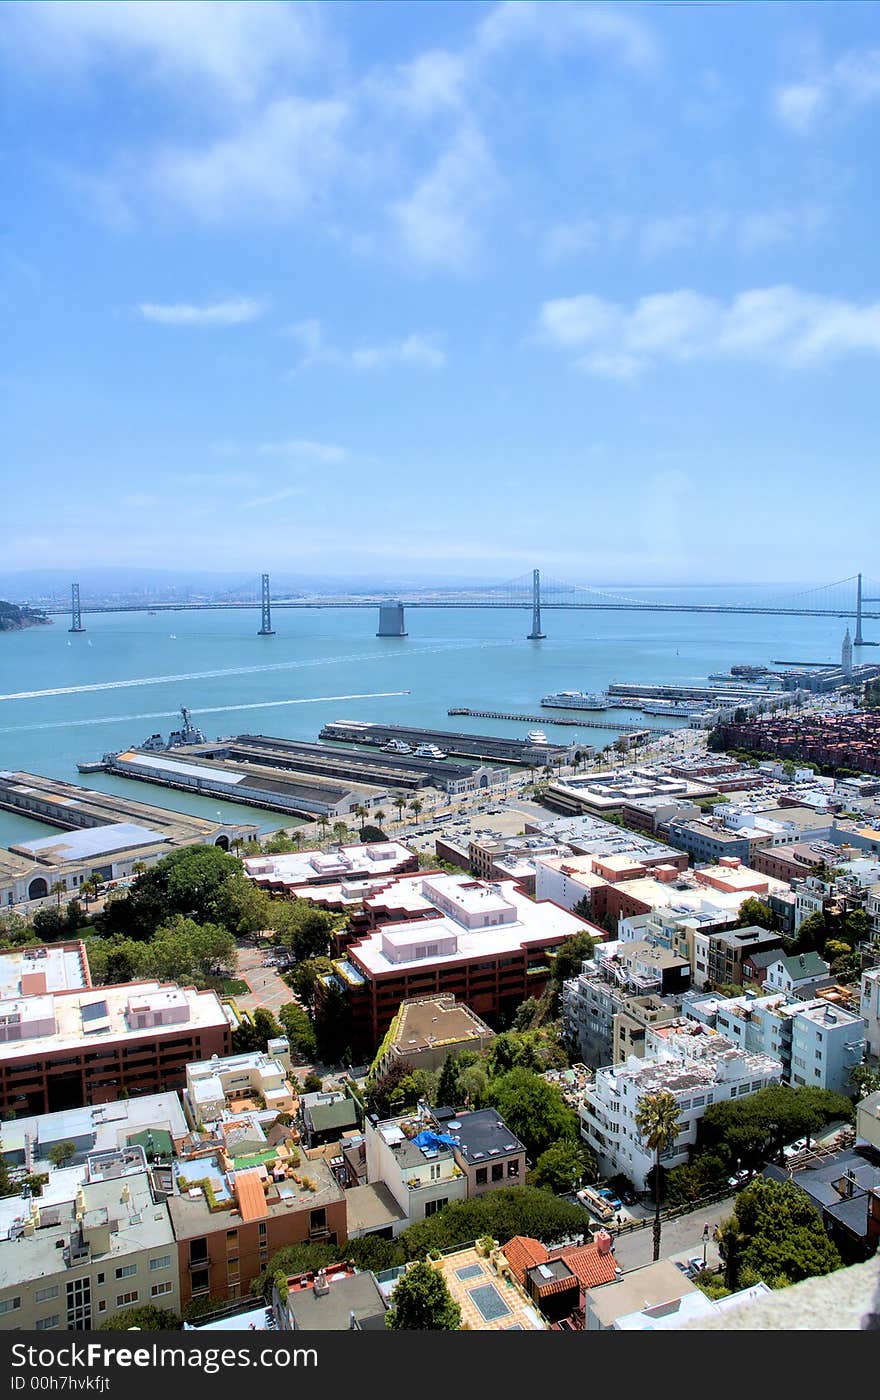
<point>534,922</point>
<point>437,1021</point>
<point>90,842</point>
<point>98,1127</point>
<point>53,967</point>
<point>311,867</point>
<point>104,1013</point>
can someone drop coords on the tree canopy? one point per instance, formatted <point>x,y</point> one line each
<point>533,1109</point>
<point>503,1213</point>
<point>755,1128</point>
<point>564,1165</point>
<point>421,1302</point>
<point>775,1235</point>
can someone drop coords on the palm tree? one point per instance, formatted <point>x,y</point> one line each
<point>58,889</point>
<point>340,831</point>
<point>415,807</point>
<point>658,1122</point>
<point>360,812</point>
<point>138,867</point>
<point>379,816</point>
<point>399,801</point>
<point>323,824</point>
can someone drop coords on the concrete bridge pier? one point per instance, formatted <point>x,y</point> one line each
<point>392,622</point>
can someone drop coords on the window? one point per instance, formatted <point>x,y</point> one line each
<point>123,1299</point>
<point>818,1054</point>
<point>100,1278</point>
<point>127,1271</point>
<point>198,1251</point>
<point>200,1281</point>
<point>102,1306</point>
<point>513,1168</point>
<point>45,1295</point>
<point>435,1171</point>
<point>482,1175</point>
<point>232,1267</point>
<point>263,1230</point>
<point>431,1207</point>
<point>10,1305</point>
<point>43,1324</point>
<point>231,1237</point>
<point>318,1220</point>
<point>162,1261</point>
<point>159,1289</point>
<point>497,1171</point>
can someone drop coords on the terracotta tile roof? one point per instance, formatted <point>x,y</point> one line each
<point>522,1253</point>
<point>559,1285</point>
<point>591,1267</point>
<point>250,1195</point>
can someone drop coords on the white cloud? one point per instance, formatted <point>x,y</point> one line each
<point>235,312</point>
<point>780,324</point>
<point>236,47</point>
<point>414,350</point>
<point>419,350</point>
<point>851,81</point>
<point>277,164</point>
<point>439,222</point>
<point>743,230</point>
<point>567,25</point>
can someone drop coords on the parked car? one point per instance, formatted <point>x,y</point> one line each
<point>738,1179</point>
<point>610,1197</point>
<point>694,1266</point>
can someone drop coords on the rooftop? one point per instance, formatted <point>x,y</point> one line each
<point>309,867</point>
<point>53,1023</point>
<point>56,967</point>
<point>533,922</point>
<point>487,1302</point>
<point>438,1020</point>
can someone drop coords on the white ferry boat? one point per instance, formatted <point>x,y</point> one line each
<point>429,751</point>
<point>679,709</point>
<point>396,746</point>
<point>536,737</point>
<point>575,700</point>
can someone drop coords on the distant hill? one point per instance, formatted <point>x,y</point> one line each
<point>13,617</point>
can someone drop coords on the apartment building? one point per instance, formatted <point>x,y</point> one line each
<point>427,1029</point>
<point>869,1009</point>
<point>816,1043</point>
<point>691,1061</point>
<point>96,1240</point>
<point>639,982</point>
<point>229,1218</point>
<point>488,945</point>
<point>77,1046</point>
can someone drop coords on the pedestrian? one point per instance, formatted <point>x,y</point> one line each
<point>619,1220</point>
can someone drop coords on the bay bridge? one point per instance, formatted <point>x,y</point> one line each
<point>855,598</point>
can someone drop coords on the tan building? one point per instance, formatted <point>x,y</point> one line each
<point>96,1241</point>
<point>491,1299</point>
<point>633,1018</point>
<point>427,1029</point>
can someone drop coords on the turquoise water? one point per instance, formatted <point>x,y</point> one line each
<point>127,676</point>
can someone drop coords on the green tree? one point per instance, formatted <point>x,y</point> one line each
<point>241,906</point>
<point>303,979</point>
<point>812,934</point>
<point>254,1032</point>
<point>293,1259</point>
<point>340,832</point>
<point>298,1029</point>
<point>755,912</point>
<point>302,927</point>
<point>146,1317</point>
<point>421,1302</point>
<point>313,1083</point>
<point>448,1087</point>
<point>533,1109</point>
<point>658,1122</point>
<point>864,1080</point>
<point>775,1235</point>
<point>567,962</point>
<point>360,812</point>
<point>398,800</point>
<point>564,1166</point>
<point>60,1153</point>
<point>473,1084</point>
<point>502,1213</point>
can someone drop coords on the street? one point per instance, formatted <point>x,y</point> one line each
<point>682,1238</point>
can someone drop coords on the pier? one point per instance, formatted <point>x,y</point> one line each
<point>584,723</point>
<point>495,748</point>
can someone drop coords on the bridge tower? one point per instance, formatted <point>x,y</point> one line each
<point>392,621</point>
<point>267,629</point>
<point>76,622</point>
<point>536,634</point>
<point>857,639</point>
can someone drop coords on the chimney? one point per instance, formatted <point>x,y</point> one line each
<point>603,1242</point>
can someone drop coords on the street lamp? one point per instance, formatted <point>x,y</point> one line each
<point>705,1243</point>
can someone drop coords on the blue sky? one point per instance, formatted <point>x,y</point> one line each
<point>442,289</point>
